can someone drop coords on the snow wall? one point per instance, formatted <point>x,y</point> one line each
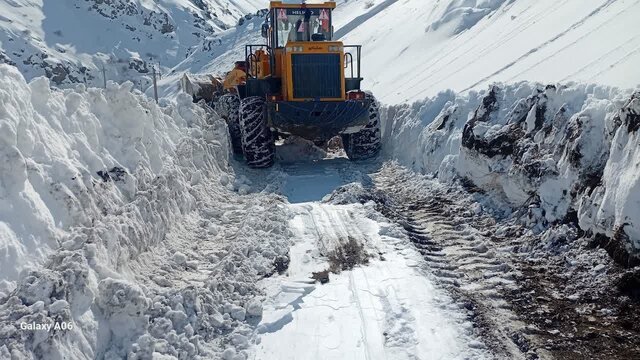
<point>70,158</point>
<point>93,184</point>
<point>568,153</point>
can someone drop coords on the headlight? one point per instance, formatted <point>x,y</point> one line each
<point>335,48</point>
<point>295,49</point>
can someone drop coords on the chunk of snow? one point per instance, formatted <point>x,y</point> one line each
<point>238,312</point>
<point>254,308</point>
<point>179,258</point>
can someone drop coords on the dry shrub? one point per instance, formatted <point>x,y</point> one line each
<point>347,255</point>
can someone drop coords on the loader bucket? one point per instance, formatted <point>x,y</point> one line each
<point>206,88</point>
<point>318,120</point>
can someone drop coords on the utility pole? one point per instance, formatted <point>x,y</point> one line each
<point>155,85</point>
<point>104,76</point>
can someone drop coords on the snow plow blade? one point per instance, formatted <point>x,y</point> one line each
<point>318,119</point>
<point>206,87</point>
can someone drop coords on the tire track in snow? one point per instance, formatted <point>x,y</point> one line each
<point>328,321</point>
<point>596,61</point>
<point>369,312</point>
<point>527,23</point>
<point>546,43</point>
<point>624,58</point>
<point>459,255</point>
<point>353,24</point>
<point>363,329</point>
<point>573,43</point>
<point>330,227</point>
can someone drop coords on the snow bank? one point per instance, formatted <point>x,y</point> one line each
<point>72,157</point>
<point>96,188</point>
<point>614,207</point>
<point>559,150</point>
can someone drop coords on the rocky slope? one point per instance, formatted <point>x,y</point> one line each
<point>71,41</point>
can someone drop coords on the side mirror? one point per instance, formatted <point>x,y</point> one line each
<point>265,30</point>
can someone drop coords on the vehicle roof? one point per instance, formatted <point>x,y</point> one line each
<point>298,4</point>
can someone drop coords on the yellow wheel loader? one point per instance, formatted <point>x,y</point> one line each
<point>301,82</point>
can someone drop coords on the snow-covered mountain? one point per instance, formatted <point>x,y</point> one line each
<point>417,48</point>
<point>70,41</point>
<point>413,49</point>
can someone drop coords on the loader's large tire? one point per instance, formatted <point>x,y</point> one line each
<point>365,144</point>
<point>228,107</point>
<point>258,143</point>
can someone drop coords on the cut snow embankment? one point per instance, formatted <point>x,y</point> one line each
<point>562,151</point>
<point>70,158</point>
<point>122,218</point>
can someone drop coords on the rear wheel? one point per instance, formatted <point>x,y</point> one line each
<point>365,143</point>
<point>228,107</point>
<point>258,142</point>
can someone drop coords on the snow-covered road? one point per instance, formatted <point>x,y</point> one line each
<point>387,307</point>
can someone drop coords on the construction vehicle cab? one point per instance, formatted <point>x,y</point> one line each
<point>302,82</point>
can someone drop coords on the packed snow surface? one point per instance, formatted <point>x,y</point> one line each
<point>387,309</point>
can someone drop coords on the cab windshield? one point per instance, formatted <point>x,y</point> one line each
<point>302,25</point>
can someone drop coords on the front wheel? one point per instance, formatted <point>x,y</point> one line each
<point>258,143</point>
<point>228,106</point>
<point>365,143</point>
